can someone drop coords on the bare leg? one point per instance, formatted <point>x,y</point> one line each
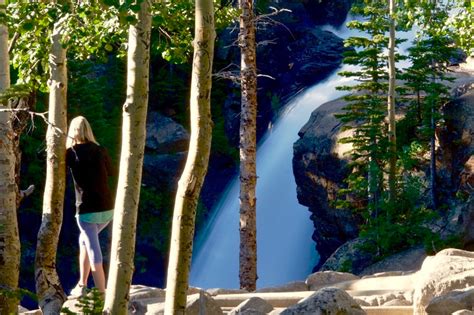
<point>84,266</point>
<point>99,276</point>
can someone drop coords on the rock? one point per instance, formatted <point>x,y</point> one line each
<point>332,12</point>
<point>289,287</point>
<point>405,261</point>
<point>199,303</point>
<point>165,152</point>
<point>330,301</point>
<point>254,305</point>
<point>217,291</point>
<point>388,299</point>
<point>467,222</point>
<point>202,303</point>
<point>349,257</point>
<point>164,135</point>
<point>450,269</point>
<point>397,302</point>
<point>142,296</point>
<point>193,290</point>
<point>319,170</point>
<point>161,170</point>
<point>451,302</point>
<point>323,279</point>
<point>456,141</point>
<point>144,292</point>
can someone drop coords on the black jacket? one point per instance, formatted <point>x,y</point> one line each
<point>90,167</point>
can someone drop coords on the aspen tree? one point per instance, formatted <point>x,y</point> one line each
<point>9,237</point>
<point>191,180</point>
<point>131,163</point>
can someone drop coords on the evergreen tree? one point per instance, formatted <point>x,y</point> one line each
<point>366,109</point>
<point>426,77</point>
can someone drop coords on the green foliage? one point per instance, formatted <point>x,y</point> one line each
<point>435,243</point>
<point>390,227</point>
<point>88,30</point>
<point>174,21</point>
<point>154,223</point>
<point>407,224</point>
<point>366,108</point>
<point>17,293</point>
<point>346,266</point>
<point>92,303</point>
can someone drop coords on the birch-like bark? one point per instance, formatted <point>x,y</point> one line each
<point>48,286</point>
<point>9,237</point>
<point>248,148</point>
<point>392,140</point>
<point>195,170</point>
<point>131,163</point>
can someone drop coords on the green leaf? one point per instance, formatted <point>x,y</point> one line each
<point>27,26</point>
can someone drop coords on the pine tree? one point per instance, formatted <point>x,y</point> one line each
<point>366,109</point>
<point>426,77</point>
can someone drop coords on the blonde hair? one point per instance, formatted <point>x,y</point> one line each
<point>80,131</point>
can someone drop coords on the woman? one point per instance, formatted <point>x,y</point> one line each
<point>90,167</point>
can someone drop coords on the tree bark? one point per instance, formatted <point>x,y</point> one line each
<point>48,286</point>
<point>9,237</point>
<point>248,148</point>
<point>131,163</point>
<point>392,138</point>
<point>191,180</point>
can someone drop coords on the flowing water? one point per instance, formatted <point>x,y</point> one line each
<point>285,250</point>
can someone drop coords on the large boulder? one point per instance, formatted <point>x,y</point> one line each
<point>449,270</point>
<point>329,301</point>
<point>254,305</point>
<point>165,152</point>
<point>199,303</point>
<point>164,135</point>
<point>405,261</point>
<point>319,166</point>
<point>323,279</point>
<point>349,257</point>
<point>451,302</point>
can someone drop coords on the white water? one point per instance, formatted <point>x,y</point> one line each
<point>285,249</point>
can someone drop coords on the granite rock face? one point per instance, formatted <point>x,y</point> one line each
<point>319,166</point>
<point>449,270</point>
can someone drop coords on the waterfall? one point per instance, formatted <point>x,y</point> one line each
<point>285,249</point>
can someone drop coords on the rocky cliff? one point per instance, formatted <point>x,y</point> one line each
<point>319,168</point>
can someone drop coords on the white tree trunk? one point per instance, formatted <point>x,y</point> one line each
<point>248,149</point>
<point>131,163</point>
<point>9,238</point>
<point>195,170</point>
<point>48,286</point>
